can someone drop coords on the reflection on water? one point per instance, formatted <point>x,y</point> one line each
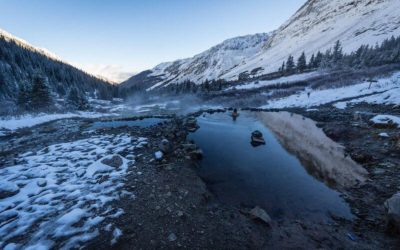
<point>322,157</point>
<point>269,176</point>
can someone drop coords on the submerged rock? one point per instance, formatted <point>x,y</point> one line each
<point>392,206</point>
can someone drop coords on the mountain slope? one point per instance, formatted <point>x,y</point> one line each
<point>319,23</point>
<point>20,61</point>
<point>316,26</point>
<point>211,64</point>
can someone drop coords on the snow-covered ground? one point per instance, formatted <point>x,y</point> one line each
<point>283,80</point>
<point>386,119</point>
<point>29,120</point>
<point>387,89</point>
<point>61,194</point>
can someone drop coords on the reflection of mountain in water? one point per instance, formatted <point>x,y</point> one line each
<point>322,157</point>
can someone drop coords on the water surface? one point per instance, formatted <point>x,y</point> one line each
<point>287,181</point>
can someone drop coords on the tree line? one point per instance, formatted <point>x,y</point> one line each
<point>365,56</point>
<point>20,66</point>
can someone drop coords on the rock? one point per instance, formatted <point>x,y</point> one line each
<point>189,147</point>
<point>392,206</point>
<point>172,237</point>
<point>191,124</point>
<point>114,161</point>
<point>41,183</point>
<point>165,146</point>
<point>261,214</point>
<point>8,189</point>
<point>196,154</point>
<point>158,155</point>
<point>361,158</point>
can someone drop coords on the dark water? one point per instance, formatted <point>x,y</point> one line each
<point>146,122</point>
<point>268,176</point>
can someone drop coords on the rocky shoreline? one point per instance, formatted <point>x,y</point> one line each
<point>172,208</point>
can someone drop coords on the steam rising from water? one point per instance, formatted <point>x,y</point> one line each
<point>156,105</point>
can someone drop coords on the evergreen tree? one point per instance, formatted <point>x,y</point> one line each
<point>282,68</point>
<point>337,55</point>
<point>76,100</point>
<point>40,95</point>
<point>318,59</point>
<point>290,66</point>
<point>302,63</point>
<point>23,100</point>
<point>311,64</point>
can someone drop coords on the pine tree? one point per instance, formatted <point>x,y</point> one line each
<point>290,66</point>
<point>311,64</point>
<point>282,68</point>
<point>23,100</point>
<point>337,55</point>
<point>302,63</point>
<point>76,100</point>
<point>40,95</point>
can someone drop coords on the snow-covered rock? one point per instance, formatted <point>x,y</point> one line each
<point>59,202</point>
<point>386,119</point>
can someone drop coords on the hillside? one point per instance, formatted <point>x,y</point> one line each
<point>20,62</point>
<point>316,26</point>
<point>211,64</point>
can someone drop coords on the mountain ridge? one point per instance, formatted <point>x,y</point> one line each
<point>316,26</point>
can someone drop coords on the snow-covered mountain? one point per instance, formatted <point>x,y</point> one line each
<point>319,23</point>
<point>211,64</point>
<point>314,27</point>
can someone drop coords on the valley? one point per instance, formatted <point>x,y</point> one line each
<point>288,139</point>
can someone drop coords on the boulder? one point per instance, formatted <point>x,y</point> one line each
<point>165,146</point>
<point>260,214</point>
<point>196,154</point>
<point>114,161</point>
<point>392,206</point>
<point>172,237</point>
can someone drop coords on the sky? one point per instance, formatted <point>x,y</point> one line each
<point>117,38</point>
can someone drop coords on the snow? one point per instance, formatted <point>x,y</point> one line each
<point>158,155</point>
<point>340,105</point>
<point>29,120</point>
<point>383,135</point>
<point>283,80</point>
<point>116,234</point>
<point>386,119</point>
<point>212,63</point>
<point>315,27</point>
<point>9,187</point>
<point>319,24</point>
<point>388,86</point>
<point>63,193</point>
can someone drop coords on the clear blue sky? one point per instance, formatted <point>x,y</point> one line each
<point>133,35</point>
